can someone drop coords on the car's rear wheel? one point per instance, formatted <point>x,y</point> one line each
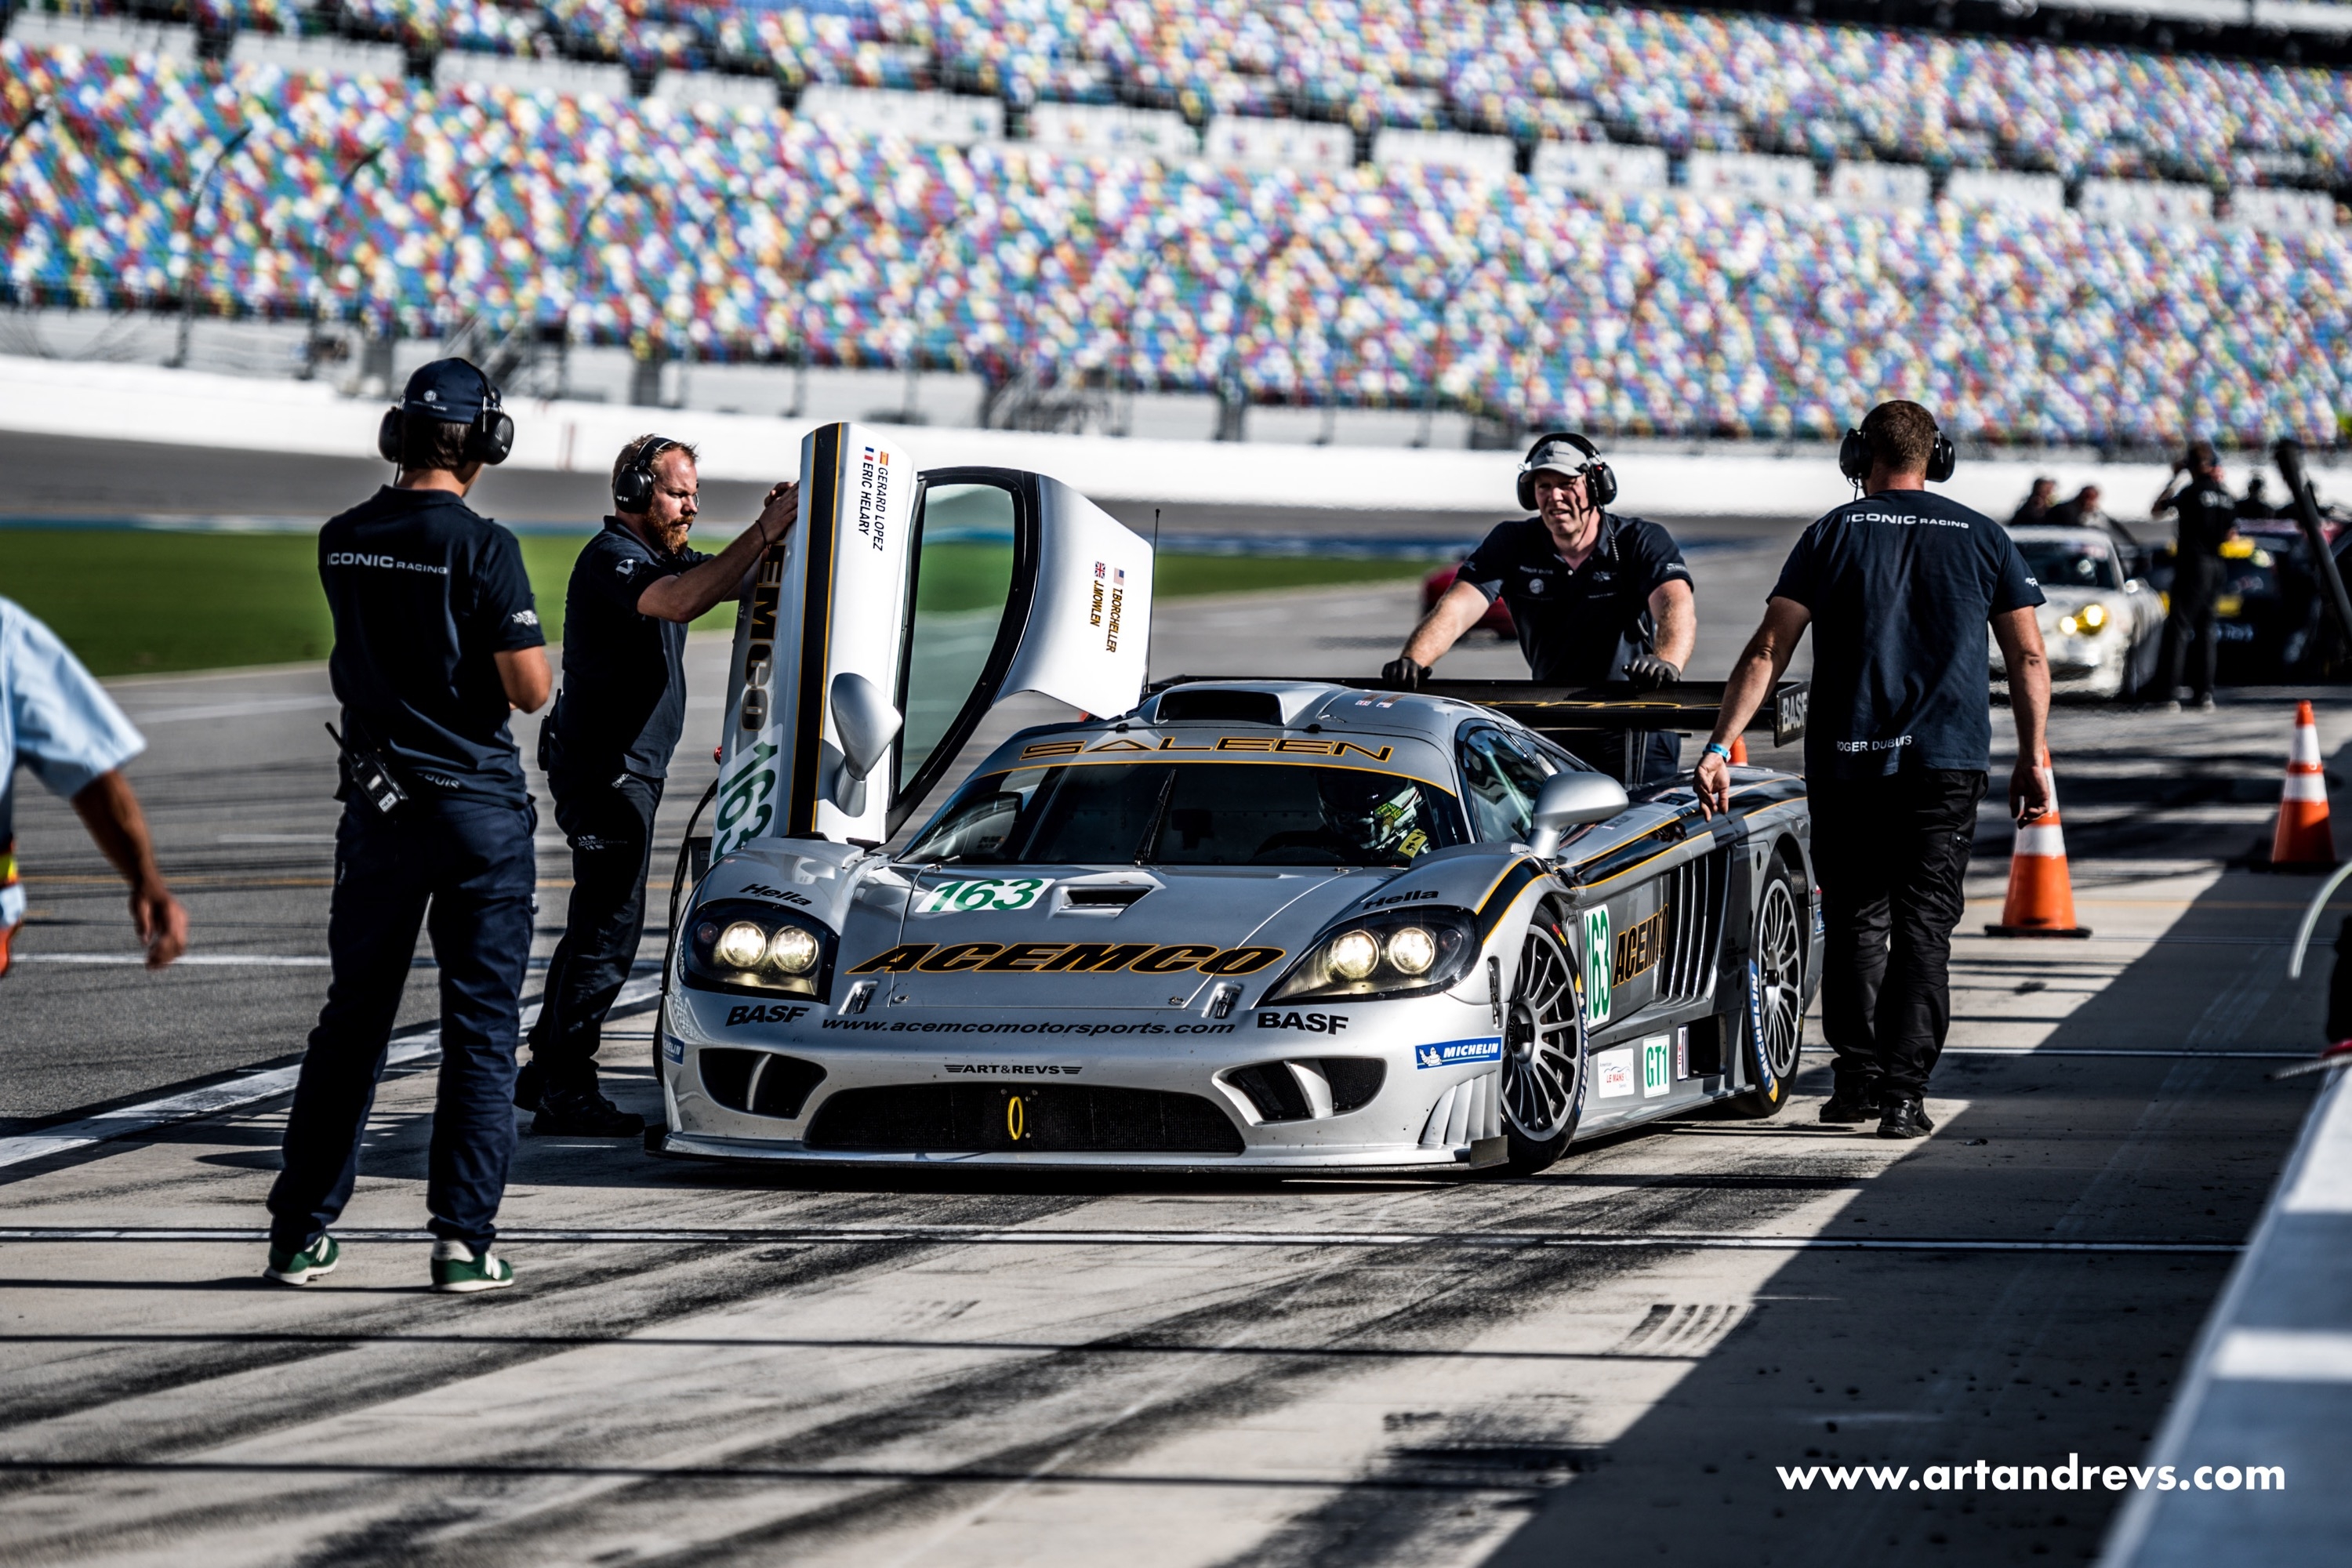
<point>1543,1052</point>
<point>1776,1013</point>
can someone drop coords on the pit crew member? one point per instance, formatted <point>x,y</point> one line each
<point>606,750</point>
<point>1595,596</point>
<point>1898,585</point>
<point>437,641</point>
<point>58,722</point>
<point>2208,515</point>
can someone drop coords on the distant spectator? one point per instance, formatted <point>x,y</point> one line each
<point>2035,507</point>
<point>2085,512</point>
<point>2257,503</point>
<point>2209,518</point>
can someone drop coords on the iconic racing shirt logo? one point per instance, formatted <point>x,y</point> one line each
<point>1068,958</point>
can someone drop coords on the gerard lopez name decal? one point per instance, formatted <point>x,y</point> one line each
<point>1289,745</point>
<point>1068,958</point>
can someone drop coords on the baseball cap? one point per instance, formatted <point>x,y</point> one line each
<point>1561,456</point>
<point>449,389</point>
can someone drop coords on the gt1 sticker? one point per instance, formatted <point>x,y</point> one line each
<point>1658,1066</point>
<point>1613,1073</point>
<point>1453,1053</point>
<point>978,893</point>
<point>1596,966</point>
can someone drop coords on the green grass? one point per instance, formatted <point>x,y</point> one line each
<point>133,602</point>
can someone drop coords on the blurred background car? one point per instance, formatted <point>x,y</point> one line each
<point>2271,611</point>
<point>2103,626</point>
<point>1497,618</point>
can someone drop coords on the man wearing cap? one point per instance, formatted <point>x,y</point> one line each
<point>2208,517</point>
<point>1595,598</point>
<point>1898,585</point>
<point>606,750</point>
<point>436,642</point>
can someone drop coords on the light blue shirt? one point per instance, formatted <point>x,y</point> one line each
<point>55,719</point>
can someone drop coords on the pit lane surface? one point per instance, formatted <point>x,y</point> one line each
<point>1606,1362</point>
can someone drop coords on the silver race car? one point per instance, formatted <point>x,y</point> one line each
<point>1274,925</point>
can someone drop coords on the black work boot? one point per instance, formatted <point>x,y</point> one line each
<point>1852,1103</point>
<point>585,1113</point>
<point>1905,1116</point>
<point>530,1084</point>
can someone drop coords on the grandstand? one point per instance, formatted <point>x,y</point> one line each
<point>1647,221</point>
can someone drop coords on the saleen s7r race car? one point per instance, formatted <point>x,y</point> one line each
<point>1278,925</point>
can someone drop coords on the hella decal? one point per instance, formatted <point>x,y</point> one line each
<point>1383,900</point>
<point>1285,744</point>
<point>1313,1023</point>
<point>1453,1053</point>
<point>1068,958</point>
<point>782,895</point>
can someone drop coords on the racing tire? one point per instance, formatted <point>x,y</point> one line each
<point>1544,1052</point>
<point>1774,1024</point>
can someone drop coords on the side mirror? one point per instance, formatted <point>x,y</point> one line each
<point>1569,800</point>
<point>867,724</point>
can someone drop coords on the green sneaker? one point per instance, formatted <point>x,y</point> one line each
<point>301,1267</point>
<point>458,1269</point>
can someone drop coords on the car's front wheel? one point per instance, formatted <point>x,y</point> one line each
<point>1776,1003</point>
<point>1543,1052</point>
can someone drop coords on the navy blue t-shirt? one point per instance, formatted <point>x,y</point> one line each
<point>624,702</point>
<point>423,592</point>
<point>1579,627</point>
<point>1901,585</point>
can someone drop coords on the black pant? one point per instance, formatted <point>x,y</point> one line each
<point>2196,584</point>
<point>1657,756</point>
<point>1891,853</point>
<point>610,823</point>
<point>470,862</point>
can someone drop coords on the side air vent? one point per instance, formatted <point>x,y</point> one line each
<point>1304,1088</point>
<point>1220,707</point>
<point>758,1082</point>
<point>1114,898</point>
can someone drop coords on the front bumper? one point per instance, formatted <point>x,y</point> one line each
<point>1437,1106</point>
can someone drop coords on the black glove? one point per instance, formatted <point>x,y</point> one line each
<point>1403,674</point>
<point>1648,672</point>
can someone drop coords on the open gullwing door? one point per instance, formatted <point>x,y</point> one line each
<point>878,635</point>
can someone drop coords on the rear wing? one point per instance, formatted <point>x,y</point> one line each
<point>1691,708</point>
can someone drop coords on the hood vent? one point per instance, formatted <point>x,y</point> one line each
<point>1107,901</point>
<point>1219,705</point>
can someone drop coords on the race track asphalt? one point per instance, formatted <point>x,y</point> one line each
<point>1607,1363</point>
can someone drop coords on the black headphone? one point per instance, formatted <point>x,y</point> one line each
<point>1599,478</point>
<point>490,436</point>
<point>1854,456</point>
<point>633,485</point>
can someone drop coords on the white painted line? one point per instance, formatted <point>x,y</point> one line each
<point>248,1089</point>
<point>983,1235</point>
<point>2323,1184</point>
<point>194,960</point>
<point>242,708</point>
<point>2284,1355</point>
<point>2163,1052</point>
<point>273,838</point>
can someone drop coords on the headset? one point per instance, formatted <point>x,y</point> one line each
<point>1854,456</point>
<point>490,436</point>
<point>1599,478</point>
<point>633,485</point>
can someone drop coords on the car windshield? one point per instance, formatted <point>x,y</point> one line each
<point>1192,814</point>
<point>2070,563</point>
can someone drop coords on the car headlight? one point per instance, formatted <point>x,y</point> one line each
<point>1402,952</point>
<point>743,945</point>
<point>2088,621</point>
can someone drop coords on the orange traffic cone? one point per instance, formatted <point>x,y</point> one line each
<point>1740,751</point>
<point>2303,836</point>
<point>2040,895</point>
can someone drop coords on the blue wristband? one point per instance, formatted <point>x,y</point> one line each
<point>1716,748</point>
